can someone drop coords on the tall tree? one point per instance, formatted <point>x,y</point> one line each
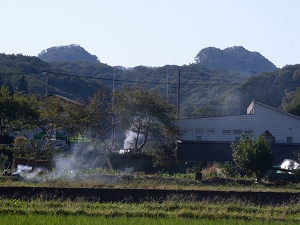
<point>23,85</point>
<point>17,113</point>
<point>59,113</point>
<point>75,119</point>
<point>146,113</point>
<point>50,115</point>
<point>100,114</point>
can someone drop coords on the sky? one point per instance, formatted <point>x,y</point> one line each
<point>152,33</point>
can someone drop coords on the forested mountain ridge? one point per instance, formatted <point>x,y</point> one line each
<point>203,91</point>
<point>34,71</point>
<point>81,79</point>
<point>235,58</point>
<point>69,53</point>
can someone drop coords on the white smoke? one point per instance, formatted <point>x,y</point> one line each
<point>28,174</point>
<point>67,166</point>
<point>130,139</point>
<point>23,169</point>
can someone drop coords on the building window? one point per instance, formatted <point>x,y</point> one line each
<point>188,130</point>
<point>199,130</point>
<point>289,139</point>
<point>226,131</point>
<point>199,138</point>
<point>210,131</point>
<point>237,131</point>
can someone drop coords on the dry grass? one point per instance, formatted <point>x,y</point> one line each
<point>210,170</point>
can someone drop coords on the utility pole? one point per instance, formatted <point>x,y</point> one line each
<point>178,96</point>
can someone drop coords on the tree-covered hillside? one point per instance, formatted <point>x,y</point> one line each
<point>235,58</point>
<point>199,86</point>
<point>269,88</point>
<point>67,53</point>
<point>18,70</point>
<point>203,91</point>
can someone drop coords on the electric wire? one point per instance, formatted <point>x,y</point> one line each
<point>146,82</point>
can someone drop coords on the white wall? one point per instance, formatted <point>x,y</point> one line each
<point>281,125</point>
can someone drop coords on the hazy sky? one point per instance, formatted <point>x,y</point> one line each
<point>152,32</point>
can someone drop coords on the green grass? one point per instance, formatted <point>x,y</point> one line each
<point>174,210</point>
<point>11,219</point>
<point>175,207</point>
<point>174,182</point>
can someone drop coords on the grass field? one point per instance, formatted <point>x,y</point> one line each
<point>88,220</point>
<point>174,210</point>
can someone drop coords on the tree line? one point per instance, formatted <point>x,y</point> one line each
<point>143,111</point>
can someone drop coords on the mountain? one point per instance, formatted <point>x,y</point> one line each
<point>235,58</point>
<point>69,53</point>
<point>81,79</point>
<point>13,68</point>
<point>204,91</point>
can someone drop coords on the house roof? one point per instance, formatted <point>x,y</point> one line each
<point>252,103</point>
<point>278,110</point>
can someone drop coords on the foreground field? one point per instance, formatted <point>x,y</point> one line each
<point>79,220</point>
<point>43,211</point>
<point>58,202</point>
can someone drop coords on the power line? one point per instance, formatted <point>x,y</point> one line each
<point>145,82</point>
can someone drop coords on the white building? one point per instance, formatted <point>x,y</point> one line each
<point>210,137</point>
<point>260,118</point>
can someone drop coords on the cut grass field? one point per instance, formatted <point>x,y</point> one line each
<point>173,210</point>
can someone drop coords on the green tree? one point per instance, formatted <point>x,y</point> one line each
<point>10,88</point>
<point>146,113</point>
<point>168,154</point>
<point>59,113</point>
<point>31,148</point>
<point>23,85</point>
<point>75,120</point>
<point>17,113</point>
<point>100,113</point>
<point>291,102</point>
<point>254,156</point>
<point>51,110</point>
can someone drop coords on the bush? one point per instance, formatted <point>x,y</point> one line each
<point>253,156</point>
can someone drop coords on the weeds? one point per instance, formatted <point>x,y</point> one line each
<point>104,178</point>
